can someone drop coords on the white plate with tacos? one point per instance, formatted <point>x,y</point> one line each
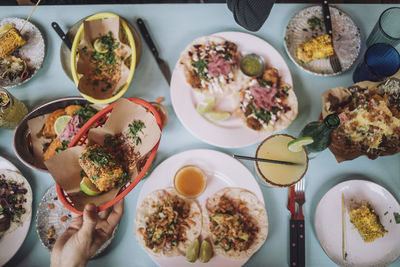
<point>15,214</point>
<point>220,105</point>
<point>232,200</point>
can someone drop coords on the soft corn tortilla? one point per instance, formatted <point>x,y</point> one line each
<point>256,211</point>
<point>17,177</point>
<point>145,210</point>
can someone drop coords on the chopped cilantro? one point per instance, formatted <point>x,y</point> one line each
<point>263,83</point>
<point>64,145</point>
<point>100,157</point>
<point>86,113</point>
<point>133,129</point>
<point>227,56</point>
<point>261,114</point>
<point>396,217</point>
<point>200,65</point>
<point>314,22</point>
<point>286,88</point>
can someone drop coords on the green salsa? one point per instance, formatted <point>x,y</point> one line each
<point>251,66</point>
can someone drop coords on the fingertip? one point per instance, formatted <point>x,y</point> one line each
<point>90,207</point>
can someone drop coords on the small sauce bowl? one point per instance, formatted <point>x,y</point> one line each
<point>190,181</point>
<point>252,65</point>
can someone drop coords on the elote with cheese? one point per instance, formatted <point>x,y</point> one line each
<point>316,48</point>
<point>367,222</point>
<point>10,41</point>
<point>101,167</point>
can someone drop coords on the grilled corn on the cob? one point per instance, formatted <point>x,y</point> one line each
<point>367,223</point>
<point>316,48</point>
<point>101,167</point>
<point>10,41</point>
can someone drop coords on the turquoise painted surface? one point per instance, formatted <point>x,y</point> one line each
<point>173,26</point>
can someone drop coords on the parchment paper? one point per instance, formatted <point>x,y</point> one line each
<point>35,126</point>
<point>93,29</point>
<point>65,168</point>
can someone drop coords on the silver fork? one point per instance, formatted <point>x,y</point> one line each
<point>299,197</point>
<point>335,63</point>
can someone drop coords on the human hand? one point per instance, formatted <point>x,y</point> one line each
<point>85,235</point>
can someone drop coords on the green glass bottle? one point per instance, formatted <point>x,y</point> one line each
<point>320,131</point>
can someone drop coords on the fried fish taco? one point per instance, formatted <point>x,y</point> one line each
<point>166,224</point>
<point>236,222</point>
<point>268,104</point>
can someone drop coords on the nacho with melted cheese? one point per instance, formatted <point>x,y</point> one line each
<point>370,120</point>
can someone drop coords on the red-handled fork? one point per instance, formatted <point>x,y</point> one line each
<point>291,206</point>
<point>300,199</point>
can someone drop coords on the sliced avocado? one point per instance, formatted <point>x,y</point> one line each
<point>220,217</point>
<point>157,235</point>
<point>244,236</point>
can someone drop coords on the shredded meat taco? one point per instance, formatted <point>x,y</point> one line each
<point>166,224</point>
<point>236,223</point>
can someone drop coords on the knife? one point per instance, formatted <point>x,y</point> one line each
<point>161,63</point>
<point>291,206</point>
<point>334,60</point>
<point>60,33</point>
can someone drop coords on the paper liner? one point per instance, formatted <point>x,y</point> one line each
<point>92,30</point>
<point>343,94</point>
<point>35,126</point>
<point>65,168</point>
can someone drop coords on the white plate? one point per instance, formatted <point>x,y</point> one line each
<point>232,133</point>
<point>46,217</point>
<point>33,51</point>
<point>346,39</point>
<point>328,225</point>
<point>10,243</point>
<point>222,171</point>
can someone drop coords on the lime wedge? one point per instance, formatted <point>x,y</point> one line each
<point>99,46</point>
<point>60,123</point>
<point>218,115</point>
<point>205,251</point>
<point>205,105</point>
<point>88,187</point>
<point>297,144</point>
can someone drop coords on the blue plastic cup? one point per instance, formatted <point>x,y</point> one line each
<point>380,61</point>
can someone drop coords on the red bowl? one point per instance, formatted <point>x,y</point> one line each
<point>97,121</point>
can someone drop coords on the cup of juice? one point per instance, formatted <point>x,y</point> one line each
<point>275,147</point>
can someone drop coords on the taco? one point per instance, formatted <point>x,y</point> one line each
<point>268,103</point>
<point>236,222</point>
<point>166,224</point>
<point>370,119</point>
<point>15,201</point>
<point>211,63</point>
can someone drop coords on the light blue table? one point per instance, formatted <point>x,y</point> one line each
<point>173,26</point>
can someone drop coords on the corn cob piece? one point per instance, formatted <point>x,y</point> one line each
<point>10,41</point>
<point>316,48</point>
<point>101,167</point>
